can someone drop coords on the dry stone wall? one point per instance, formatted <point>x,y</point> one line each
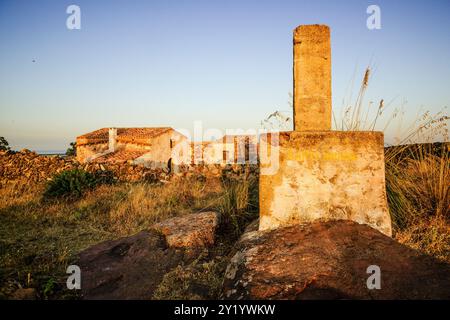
<point>27,168</point>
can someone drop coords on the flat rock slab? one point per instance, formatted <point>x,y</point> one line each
<point>329,260</point>
<point>133,267</point>
<point>127,268</point>
<point>190,231</point>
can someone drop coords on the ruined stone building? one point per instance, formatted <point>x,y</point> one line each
<point>124,144</point>
<point>230,149</point>
<point>163,148</point>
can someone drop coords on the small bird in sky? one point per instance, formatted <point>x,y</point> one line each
<point>33,60</point>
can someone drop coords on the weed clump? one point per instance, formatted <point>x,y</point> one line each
<point>70,184</point>
<point>239,202</point>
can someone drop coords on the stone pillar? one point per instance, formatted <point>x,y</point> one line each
<point>112,139</point>
<point>312,78</point>
<point>318,173</point>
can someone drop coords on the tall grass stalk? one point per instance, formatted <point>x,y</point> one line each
<point>417,183</point>
<point>239,202</point>
<point>417,170</point>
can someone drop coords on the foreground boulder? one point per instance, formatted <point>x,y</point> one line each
<point>190,231</point>
<point>127,268</point>
<point>133,267</point>
<point>329,260</point>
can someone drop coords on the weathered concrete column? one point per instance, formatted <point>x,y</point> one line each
<point>312,78</point>
<point>112,139</point>
<point>318,173</point>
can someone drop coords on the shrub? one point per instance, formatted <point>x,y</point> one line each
<point>104,177</point>
<point>70,183</point>
<point>49,287</point>
<point>72,150</point>
<point>4,145</point>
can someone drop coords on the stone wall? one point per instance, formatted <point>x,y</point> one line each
<point>27,169</point>
<point>90,150</point>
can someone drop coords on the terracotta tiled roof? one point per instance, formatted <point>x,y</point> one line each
<point>119,156</point>
<point>127,132</point>
<point>136,135</point>
<point>97,134</point>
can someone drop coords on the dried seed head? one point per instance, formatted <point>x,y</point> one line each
<point>366,77</point>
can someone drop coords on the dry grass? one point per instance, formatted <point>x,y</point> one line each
<point>418,183</point>
<point>38,239</point>
<point>418,189</point>
<point>140,205</point>
<point>201,279</point>
<point>429,235</point>
<point>16,194</point>
<point>239,202</point>
<point>417,169</point>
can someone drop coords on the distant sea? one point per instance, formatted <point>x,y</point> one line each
<point>51,152</point>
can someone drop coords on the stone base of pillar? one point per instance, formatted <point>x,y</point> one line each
<point>323,175</point>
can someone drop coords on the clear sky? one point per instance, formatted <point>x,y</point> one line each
<point>227,63</point>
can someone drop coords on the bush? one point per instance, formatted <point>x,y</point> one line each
<point>72,150</point>
<point>70,183</point>
<point>4,145</point>
<point>104,177</point>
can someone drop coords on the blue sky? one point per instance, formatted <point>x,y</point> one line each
<point>227,63</point>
